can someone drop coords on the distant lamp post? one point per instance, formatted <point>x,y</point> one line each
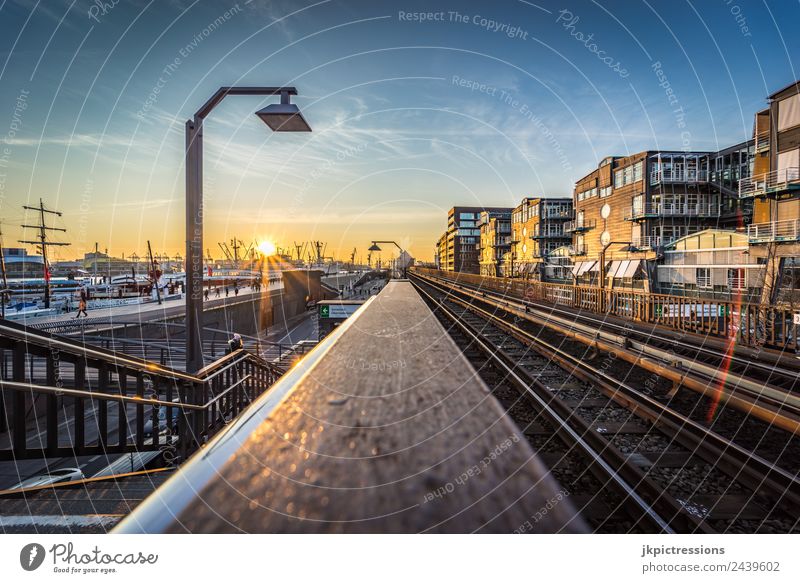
<point>282,117</point>
<point>374,247</point>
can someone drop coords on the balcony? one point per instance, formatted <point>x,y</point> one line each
<point>673,176</point>
<point>556,213</point>
<point>649,242</point>
<point>674,210</point>
<point>770,182</point>
<point>577,249</point>
<point>778,231</point>
<point>549,234</point>
<point>579,226</point>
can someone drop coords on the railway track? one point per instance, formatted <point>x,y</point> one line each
<point>781,370</point>
<point>630,462</point>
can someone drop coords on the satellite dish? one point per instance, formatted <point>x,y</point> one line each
<point>605,238</point>
<point>605,212</point>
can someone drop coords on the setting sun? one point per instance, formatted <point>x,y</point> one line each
<point>267,248</point>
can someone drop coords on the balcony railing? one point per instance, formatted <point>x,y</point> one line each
<point>578,226</point>
<point>557,213</point>
<point>768,182</point>
<point>674,210</point>
<point>650,242</point>
<point>788,230</point>
<point>682,176</point>
<point>577,249</point>
<point>549,234</point>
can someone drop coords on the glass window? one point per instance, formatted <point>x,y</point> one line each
<point>703,277</point>
<point>618,179</point>
<point>628,174</point>
<point>736,278</point>
<point>637,171</point>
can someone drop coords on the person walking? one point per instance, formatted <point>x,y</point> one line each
<point>226,291</point>
<point>205,294</point>
<point>216,292</point>
<point>82,308</point>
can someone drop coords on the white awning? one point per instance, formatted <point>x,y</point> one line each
<point>576,268</point>
<point>595,266</point>
<point>632,268</point>
<point>615,268</point>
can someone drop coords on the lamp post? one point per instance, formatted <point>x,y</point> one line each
<point>374,247</point>
<point>280,117</point>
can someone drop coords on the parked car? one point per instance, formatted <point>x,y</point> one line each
<point>52,477</point>
<point>162,421</point>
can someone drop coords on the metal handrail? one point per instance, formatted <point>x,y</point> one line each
<point>160,509</point>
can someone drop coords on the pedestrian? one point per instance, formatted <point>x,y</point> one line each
<point>235,343</point>
<point>206,294</point>
<point>226,291</point>
<point>216,292</point>
<point>82,308</point>
<point>236,290</point>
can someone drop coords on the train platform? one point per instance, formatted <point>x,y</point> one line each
<point>384,427</point>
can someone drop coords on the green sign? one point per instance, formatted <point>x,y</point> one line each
<point>324,311</point>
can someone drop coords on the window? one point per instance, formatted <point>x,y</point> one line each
<point>704,277</point>
<point>637,171</point>
<point>618,179</point>
<point>789,112</point>
<point>736,278</point>
<point>605,192</point>
<point>466,216</point>
<point>628,176</point>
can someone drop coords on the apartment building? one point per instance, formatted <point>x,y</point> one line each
<point>774,189</point>
<point>538,229</point>
<point>631,207</point>
<point>495,241</point>
<point>459,250</point>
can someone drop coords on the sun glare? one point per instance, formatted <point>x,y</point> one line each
<point>267,248</point>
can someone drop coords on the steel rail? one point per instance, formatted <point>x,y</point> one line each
<point>562,424</point>
<point>678,376</point>
<point>758,471</point>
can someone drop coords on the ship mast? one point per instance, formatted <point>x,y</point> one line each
<point>43,243</point>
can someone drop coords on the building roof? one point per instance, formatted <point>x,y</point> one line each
<point>709,239</point>
<point>793,85</point>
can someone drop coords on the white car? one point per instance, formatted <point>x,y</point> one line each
<point>52,477</point>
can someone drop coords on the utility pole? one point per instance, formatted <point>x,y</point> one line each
<point>43,243</point>
<point>154,271</point>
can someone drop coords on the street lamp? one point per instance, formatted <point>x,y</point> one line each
<point>374,247</point>
<point>282,117</point>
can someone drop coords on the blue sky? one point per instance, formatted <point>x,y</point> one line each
<point>479,103</point>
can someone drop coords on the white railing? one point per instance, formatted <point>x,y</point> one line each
<point>768,181</point>
<point>675,210</point>
<point>577,249</point>
<point>557,213</point>
<point>648,242</point>
<point>787,230</point>
<point>672,175</point>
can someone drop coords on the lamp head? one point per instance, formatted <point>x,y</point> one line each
<point>374,247</point>
<point>284,116</point>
